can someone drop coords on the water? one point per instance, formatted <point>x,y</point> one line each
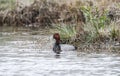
<point>22,54</point>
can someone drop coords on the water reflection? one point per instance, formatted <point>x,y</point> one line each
<point>32,55</point>
<point>57,56</point>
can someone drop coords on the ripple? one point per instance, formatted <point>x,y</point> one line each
<point>33,56</point>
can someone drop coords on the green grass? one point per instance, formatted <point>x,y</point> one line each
<point>98,27</point>
<point>7,4</point>
<point>114,31</point>
<point>66,31</point>
<point>95,22</point>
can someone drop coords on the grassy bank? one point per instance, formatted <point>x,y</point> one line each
<point>100,32</point>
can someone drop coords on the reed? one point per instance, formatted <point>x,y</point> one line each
<point>95,22</point>
<point>66,31</point>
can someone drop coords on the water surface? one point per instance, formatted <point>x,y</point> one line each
<point>23,54</point>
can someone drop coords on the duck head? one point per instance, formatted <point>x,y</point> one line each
<point>56,36</point>
<point>57,47</point>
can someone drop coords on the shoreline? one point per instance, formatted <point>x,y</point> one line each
<point>108,46</point>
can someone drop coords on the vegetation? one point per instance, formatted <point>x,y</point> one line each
<point>97,26</point>
<point>95,23</point>
<point>66,31</point>
<point>7,4</point>
<point>78,22</point>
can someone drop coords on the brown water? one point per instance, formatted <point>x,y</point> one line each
<point>23,54</point>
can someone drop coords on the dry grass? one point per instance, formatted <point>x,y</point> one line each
<point>42,13</point>
<point>68,12</point>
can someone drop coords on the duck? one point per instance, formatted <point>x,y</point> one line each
<point>58,47</point>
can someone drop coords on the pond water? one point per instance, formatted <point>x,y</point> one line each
<point>23,54</point>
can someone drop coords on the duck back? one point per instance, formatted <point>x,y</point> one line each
<point>67,47</point>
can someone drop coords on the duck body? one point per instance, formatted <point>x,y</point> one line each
<point>58,48</point>
<point>67,47</point>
